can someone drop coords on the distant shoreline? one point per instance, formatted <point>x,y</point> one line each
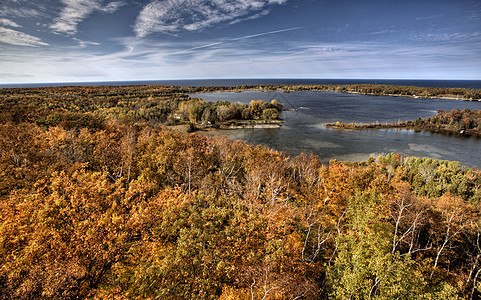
<point>464,94</point>
<point>450,97</point>
<point>417,97</point>
<point>372,89</point>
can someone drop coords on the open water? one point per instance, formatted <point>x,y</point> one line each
<point>303,130</point>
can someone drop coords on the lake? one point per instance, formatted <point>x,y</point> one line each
<point>303,130</point>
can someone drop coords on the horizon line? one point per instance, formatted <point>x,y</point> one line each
<point>249,78</point>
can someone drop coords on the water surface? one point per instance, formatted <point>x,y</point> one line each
<point>303,130</point>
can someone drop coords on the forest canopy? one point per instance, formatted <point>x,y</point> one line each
<point>106,204</point>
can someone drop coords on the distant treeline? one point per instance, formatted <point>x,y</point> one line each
<point>379,90</point>
<point>365,89</point>
<point>455,121</point>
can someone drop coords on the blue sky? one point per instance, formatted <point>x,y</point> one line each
<point>116,40</point>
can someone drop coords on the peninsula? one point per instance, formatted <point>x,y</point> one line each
<point>462,122</point>
<point>94,106</point>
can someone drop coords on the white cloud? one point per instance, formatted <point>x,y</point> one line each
<point>14,37</point>
<point>75,11</point>
<point>113,6</point>
<point>9,23</point>
<point>170,16</point>
<point>256,16</point>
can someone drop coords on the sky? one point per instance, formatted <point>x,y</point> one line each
<point>126,40</point>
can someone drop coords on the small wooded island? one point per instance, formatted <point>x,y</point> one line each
<point>463,122</point>
<point>100,199</point>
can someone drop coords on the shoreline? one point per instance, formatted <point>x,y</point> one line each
<point>344,92</point>
<point>255,126</point>
<point>410,91</point>
<point>413,96</point>
<point>444,131</point>
<point>463,94</point>
<point>250,124</point>
<point>462,133</point>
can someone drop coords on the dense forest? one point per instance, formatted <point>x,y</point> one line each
<point>455,121</point>
<point>109,205</point>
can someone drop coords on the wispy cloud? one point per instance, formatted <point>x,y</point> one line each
<point>14,37</point>
<point>171,16</point>
<point>75,11</point>
<point>446,37</point>
<point>382,32</point>
<point>474,15</point>
<point>430,17</point>
<point>9,23</point>
<point>21,8</point>
<point>144,60</point>
<point>256,16</point>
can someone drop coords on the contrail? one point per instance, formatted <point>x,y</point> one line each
<point>265,33</point>
<point>204,46</point>
<point>238,39</point>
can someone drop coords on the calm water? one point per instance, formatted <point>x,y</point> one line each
<point>304,130</point>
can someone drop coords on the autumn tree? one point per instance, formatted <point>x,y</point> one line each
<point>62,239</point>
<point>366,267</point>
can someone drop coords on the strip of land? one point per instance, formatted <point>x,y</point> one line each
<point>363,89</point>
<point>461,122</point>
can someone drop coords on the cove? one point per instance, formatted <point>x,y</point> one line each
<point>303,130</point>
